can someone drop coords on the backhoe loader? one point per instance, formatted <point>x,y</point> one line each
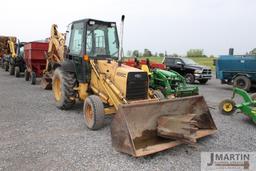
<point>5,51</point>
<point>54,56</point>
<point>142,124</point>
<point>16,59</point>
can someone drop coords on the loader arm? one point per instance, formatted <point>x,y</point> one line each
<point>54,56</point>
<point>12,48</point>
<point>56,47</point>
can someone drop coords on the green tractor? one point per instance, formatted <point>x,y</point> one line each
<point>248,107</point>
<point>170,83</point>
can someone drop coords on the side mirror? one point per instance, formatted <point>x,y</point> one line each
<point>179,63</point>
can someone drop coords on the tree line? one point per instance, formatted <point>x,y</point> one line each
<point>148,53</point>
<point>193,53</point>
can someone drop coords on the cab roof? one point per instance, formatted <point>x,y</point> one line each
<point>90,19</point>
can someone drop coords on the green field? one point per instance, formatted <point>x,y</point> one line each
<point>201,60</point>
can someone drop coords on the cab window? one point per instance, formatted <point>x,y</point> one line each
<point>102,40</point>
<point>76,39</point>
<point>169,61</point>
<point>177,62</point>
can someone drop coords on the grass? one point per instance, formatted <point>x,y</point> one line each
<point>200,60</point>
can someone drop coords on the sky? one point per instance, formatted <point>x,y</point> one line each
<point>174,26</point>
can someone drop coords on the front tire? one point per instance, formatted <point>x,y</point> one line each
<point>6,66</point>
<point>63,84</point>
<point>17,71</point>
<point>11,69</point>
<point>27,75</point>
<point>242,82</point>
<point>2,64</point>
<point>227,107</point>
<point>158,94</point>
<point>94,114</point>
<point>203,81</point>
<point>33,78</point>
<point>190,78</point>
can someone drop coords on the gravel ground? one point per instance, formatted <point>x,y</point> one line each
<point>35,135</point>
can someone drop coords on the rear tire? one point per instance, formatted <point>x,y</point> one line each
<point>158,94</point>
<point>190,78</point>
<point>17,71</point>
<point>63,84</point>
<point>242,82</point>
<point>2,64</point>
<point>33,78</point>
<point>227,107</point>
<point>26,74</point>
<point>94,114</point>
<point>203,81</point>
<point>6,66</point>
<point>11,69</point>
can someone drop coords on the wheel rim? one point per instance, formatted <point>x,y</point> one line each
<point>188,78</point>
<point>88,114</point>
<point>227,107</point>
<point>57,89</point>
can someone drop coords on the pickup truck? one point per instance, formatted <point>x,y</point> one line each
<point>237,70</point>
<point>188,68</point>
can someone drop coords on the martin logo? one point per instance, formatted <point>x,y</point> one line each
<point>226,161</point>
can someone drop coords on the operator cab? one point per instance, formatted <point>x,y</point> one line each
<point>97,39</point>
<point>90,39</point>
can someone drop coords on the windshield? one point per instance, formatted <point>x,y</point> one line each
<point>189,61</point>
<point>102,40</point>
<point>22,51</point>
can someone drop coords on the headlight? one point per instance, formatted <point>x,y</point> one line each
<point>198,71</point>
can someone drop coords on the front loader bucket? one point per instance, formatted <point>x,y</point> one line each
<point>141,129</point>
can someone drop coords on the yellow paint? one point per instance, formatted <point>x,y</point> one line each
<point>57,89</point>
<point>146,69</point>
<point>82,90</point>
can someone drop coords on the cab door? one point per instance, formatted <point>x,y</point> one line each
<point>75,49</point>
<point>179,66</point>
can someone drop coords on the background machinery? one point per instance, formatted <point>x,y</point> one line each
<point>170,83</point>
<point>142,124</point>
<point>189,69</point>
<point>35,60</point>
<point>228,106</point>
<point>3,48</point>
<point>6,50</point>
<point>137,63</point>
<point>54,56</point>
<point>16,60</point>
<point>241,73</point>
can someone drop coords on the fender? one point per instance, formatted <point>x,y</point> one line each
<point>241,74</point>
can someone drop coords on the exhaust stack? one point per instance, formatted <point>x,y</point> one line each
<point>121,38</point>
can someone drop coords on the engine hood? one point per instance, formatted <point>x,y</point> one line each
<point>197,67</point>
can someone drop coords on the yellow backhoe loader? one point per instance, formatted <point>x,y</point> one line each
<point>54,56</point>
<point>142,124</point>
<point>7,50</point>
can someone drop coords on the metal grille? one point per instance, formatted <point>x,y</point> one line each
<point>137,86</point>
<point>207,71</point>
